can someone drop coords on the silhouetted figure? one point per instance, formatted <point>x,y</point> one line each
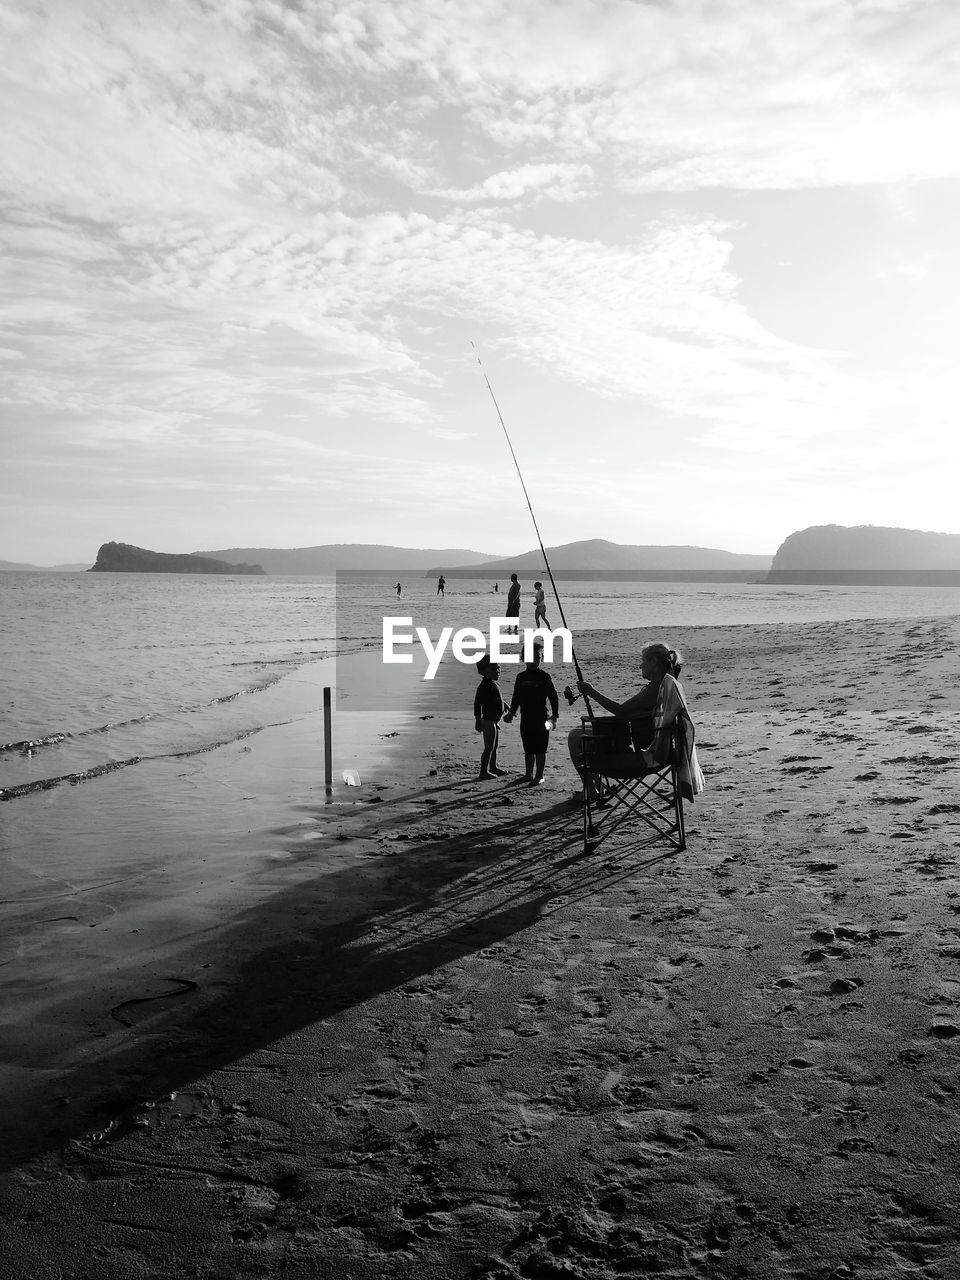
<point>539,606</point>
<point>441,583</point>
<point>532,690</point>
<point>488,712</point>
<point>398,588</point>
<point>513,599</point>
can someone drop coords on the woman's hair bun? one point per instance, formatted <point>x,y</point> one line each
<point>669,659</point>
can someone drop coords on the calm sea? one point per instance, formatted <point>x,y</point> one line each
<point>105,671</point>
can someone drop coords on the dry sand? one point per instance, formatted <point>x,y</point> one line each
<point>467,1050</point>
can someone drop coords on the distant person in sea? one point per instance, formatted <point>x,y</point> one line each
<point>533,690</point>
<point>496,587</point>
<point>653,708</point>
<point>398,588</point>
<point>441,583</point>
<point>488,712</point>
<point>539,606</point>
<point>513,600</point>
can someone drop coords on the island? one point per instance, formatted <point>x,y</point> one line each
<point>866,555</point>
<point>120,557</point>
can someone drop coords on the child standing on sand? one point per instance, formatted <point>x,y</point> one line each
<point>488,711</point>
<point>532,690</point>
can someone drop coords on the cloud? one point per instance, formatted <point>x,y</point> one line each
<point>255,215</point>
<point>540,181</point>
<point>248,312</point>
<point>681,96</point>
<point>448,433</point>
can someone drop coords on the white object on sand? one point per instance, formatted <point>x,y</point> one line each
<point>351,777</point>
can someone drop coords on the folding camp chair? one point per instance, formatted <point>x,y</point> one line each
<point>625,788</point>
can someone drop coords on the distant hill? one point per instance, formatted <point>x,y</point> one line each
<point>13,566</point>
<point>120,557</point>
<point>866,553</point>
<point>599,556</point>
<point>346,555</point>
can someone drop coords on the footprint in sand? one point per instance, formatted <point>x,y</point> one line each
<point>589,1005</point>
<point>844,986</point>
<point>944,1030</point>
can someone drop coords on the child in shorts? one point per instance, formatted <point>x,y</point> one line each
<point>532,691</point>
<point>488,712</point>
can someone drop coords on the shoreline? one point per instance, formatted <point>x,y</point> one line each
<point>156,926</point>
<point>469,1050</point>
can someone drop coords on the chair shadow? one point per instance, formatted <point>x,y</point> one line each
<point>314,951</point>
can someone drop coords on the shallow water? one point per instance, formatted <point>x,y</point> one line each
<point>106,671</point>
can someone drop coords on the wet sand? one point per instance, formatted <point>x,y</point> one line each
<point>466,1049</point>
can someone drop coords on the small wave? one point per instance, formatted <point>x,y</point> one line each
<point>29,745</point>
<point>298,659</point>
<point>45,784</point>
<point>266,683</point>
<point>111,766</point>
<point>207,746</point>
<point>112,724</point>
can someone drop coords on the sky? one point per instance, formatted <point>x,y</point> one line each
<point>706,251</point>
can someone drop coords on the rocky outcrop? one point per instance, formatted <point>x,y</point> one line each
<point>866,554</point>
<point>120,557</point>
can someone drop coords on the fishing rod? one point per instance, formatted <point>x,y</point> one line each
<point>570,696</point>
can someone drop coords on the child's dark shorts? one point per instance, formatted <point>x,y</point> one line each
<point>534,736</point>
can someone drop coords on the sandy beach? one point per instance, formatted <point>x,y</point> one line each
<point>464,1049</point>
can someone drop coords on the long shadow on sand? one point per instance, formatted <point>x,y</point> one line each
<point>308,954</point>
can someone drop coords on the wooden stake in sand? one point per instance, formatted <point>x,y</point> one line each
<point>327,758</point>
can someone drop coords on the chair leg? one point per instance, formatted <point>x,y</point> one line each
<point>657,803</point>
<point>678,807</point>
<point>591,832</point>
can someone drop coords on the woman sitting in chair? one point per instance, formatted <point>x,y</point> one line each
<point>656,661</point>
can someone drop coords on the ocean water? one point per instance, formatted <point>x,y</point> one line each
<point>105,671</point>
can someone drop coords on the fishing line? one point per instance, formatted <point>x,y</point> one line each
<point>543,550</point>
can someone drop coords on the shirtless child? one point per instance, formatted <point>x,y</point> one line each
<point>488,711</point>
